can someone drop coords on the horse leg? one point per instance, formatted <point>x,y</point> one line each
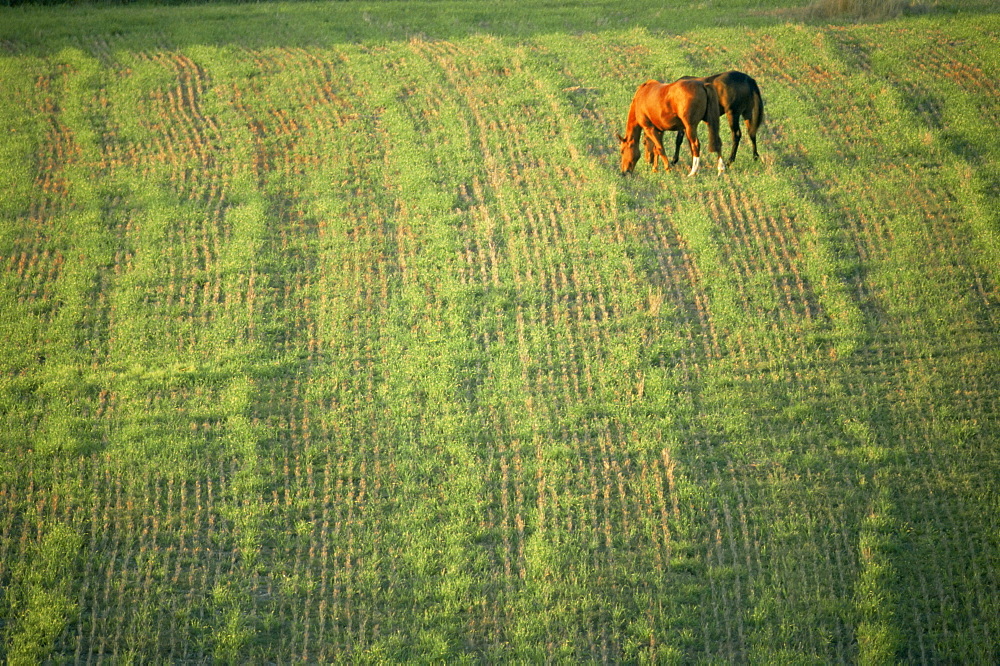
<point>650,151</point>
<point>677,146</point>
<point>655,137</point>
<point>692,135</point>
<point>660,152</point>
<point>734,126</point>
<point>752,133</point>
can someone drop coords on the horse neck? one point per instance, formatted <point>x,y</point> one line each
<point>632,127</point>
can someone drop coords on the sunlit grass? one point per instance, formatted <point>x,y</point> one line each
<point>333,333</point>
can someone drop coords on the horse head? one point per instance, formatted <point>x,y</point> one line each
<point>630,153</point>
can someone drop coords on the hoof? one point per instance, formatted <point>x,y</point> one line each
<point>695,163</point>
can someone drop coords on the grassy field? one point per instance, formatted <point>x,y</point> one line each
<point>331,332</point>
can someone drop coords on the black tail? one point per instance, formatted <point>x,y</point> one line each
<point>757,112</point>
<point>711,119</point>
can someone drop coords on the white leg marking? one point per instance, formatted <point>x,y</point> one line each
<point>722,166</point>
<point>694,165</point>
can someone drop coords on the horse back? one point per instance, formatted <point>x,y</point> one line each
<point>670,106</point>
<point>653,105</point>
<point>686,97</point>
<point>738,92</point>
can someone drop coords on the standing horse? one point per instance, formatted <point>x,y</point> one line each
<point>739,97</point>
<point>666,107</point>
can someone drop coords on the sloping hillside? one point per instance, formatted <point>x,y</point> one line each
<point>364,349</point>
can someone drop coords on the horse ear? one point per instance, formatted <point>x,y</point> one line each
<point>620,137</point>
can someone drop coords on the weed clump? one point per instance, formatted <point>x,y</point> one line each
<point>865,9</point>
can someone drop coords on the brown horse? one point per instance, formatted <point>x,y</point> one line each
<point>666,107</point>
<point>739,98</point>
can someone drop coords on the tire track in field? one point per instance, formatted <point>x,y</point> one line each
<point>184,148</point>
<point>944,231</point>
<point>439,381</point>
<point>676,277</point>
<point>757,246</point>
<point>571,293</point>
<point>758,242</point>
<point>199,287</point>
<point>34,257</point>
<point>275,113</point>
<point>761,251</point>
<point>370,255</point>
<point>334,244</point>
<point>720,537</point>
<point>784,242</point>
<point>823,86</point>
<point>925,198</point>
<point>680,274</point>
<point>274,130</point>
<point>558,295</point>
<point>629,510</point>
<point>942,58</point>
<point>930,234</point>
<point>446,85</point>
<point>147,530</point>
<point>285,131</point>
<point>766,245</point>
<point>55,251</point>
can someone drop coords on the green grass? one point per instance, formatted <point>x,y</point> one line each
<point>332,332</point>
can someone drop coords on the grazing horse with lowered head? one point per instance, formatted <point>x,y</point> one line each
<point>667,107</point>
<point>739,99</point>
